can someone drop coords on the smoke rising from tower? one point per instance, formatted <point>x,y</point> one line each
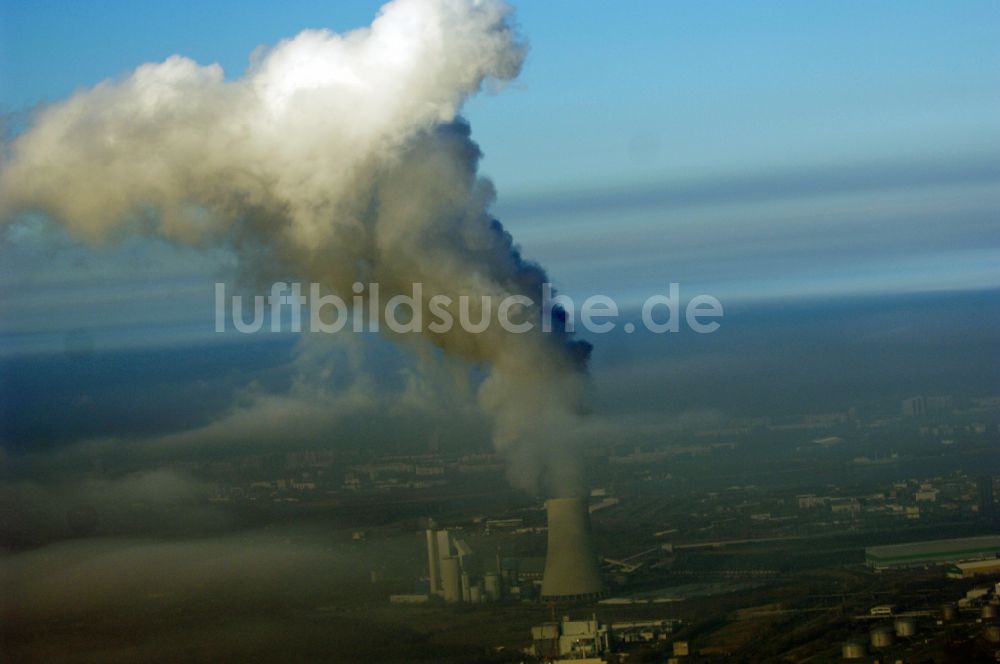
<point>337,158</point>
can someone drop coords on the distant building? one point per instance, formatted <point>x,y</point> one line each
<point>986,505</point>
<point>914,407</point>
<point>975,568</point>
<point>849,506</point>
<point>939,404</point>
<point>935,552</point>
<point>809,501</point>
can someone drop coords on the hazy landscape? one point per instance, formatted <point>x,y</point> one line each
<point>687,332</point>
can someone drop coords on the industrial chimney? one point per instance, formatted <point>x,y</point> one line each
<point>570,562</point>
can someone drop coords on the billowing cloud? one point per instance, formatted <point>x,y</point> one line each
<point>337,159</point>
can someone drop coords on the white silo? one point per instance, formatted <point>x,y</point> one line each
<point>881,636</point>
<point>571,571</point>
<point>443,544</point>
<point>450,579</point>
<point>906,627</point>
<point>432,562</point>
<point>853,650</point>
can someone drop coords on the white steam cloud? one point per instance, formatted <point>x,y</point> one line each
<point>335,159</point>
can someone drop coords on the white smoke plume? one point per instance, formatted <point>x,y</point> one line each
<point>337,158</point>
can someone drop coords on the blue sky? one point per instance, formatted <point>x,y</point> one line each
<point>611,97</point>
<point>750,150</point>
<point>642,91</point>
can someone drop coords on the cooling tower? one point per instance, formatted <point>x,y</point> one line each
<point>570,562</point>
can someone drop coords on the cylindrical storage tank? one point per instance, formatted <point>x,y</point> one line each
<point>853,650</point>
<point>948,612</point>
<point>905,627</point>
<point>432,562</point>
<point>571,571</point>
<point>491,584</point>
<point>881,637</point>
<point>992,633</point>
<point>443,544</point>
<point>989,611</point>
<point>450,581</point>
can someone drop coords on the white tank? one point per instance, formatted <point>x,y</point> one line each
<point>882,637</point>
<point>432,562</point>
<point>906,627</point>
<point>571,570</point>
<point>450,580</point>
<point>443,544</point>
<point>853,650</point>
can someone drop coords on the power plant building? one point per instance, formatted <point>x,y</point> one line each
<point>452,570</point>
<point>571,640</point>
<point>571,570</point>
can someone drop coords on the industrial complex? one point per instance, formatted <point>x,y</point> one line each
<point>819,538</point>
<point>455,574</point>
